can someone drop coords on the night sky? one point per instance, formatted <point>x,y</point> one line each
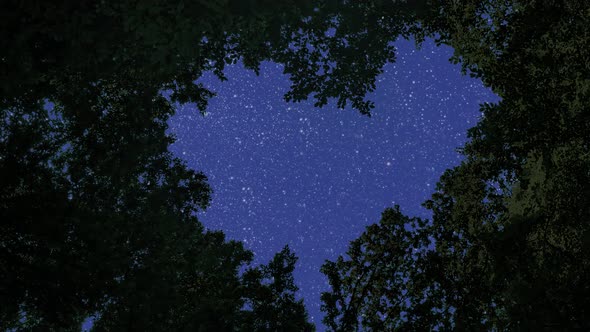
<point>288,173</point>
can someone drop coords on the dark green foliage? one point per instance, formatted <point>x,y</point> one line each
<point>98,217</point>
<point>271,297</point>
<point>373,288</point>
<point>330,49</point>
<point>507,248</point>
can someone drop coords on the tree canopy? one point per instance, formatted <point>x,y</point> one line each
<point>98,218</point>
<point>507,246</point>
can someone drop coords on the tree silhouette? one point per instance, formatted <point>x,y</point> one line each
<point>98,217</point>
<point>271,297</point>
<point>507,246</point>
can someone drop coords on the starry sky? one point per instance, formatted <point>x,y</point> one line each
<point>289,173</point>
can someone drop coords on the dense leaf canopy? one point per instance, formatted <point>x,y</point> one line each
<point>508,244</point>
<point>98,218</point>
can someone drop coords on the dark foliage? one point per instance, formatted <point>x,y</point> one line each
<point>98,217</point>
<point>507,248</point>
